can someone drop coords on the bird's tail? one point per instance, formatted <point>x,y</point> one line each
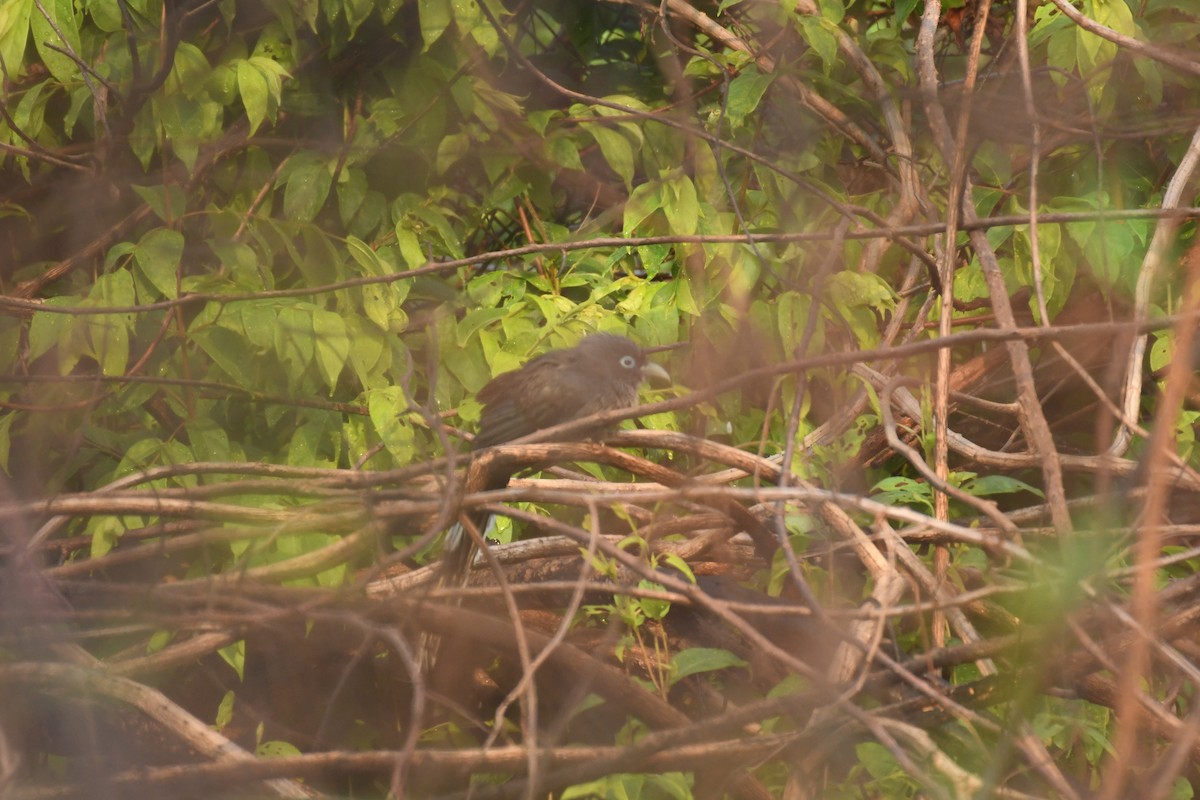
<point>458,551</point>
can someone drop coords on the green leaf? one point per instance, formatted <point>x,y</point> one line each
<point>820,35</point>
<point>675,561</point>
<point>616,150</point>
<point>450,150</point>
<point>1058,272</point>
<point>276,749</point>
<point>30,114</point>
<point>367,353</point>
<point>437,219</point>
<point>11,335</point>
<point>1061,53</point>
<point>334,576</point>
<point>851,289</point>
<point>158,640</point>
<point>792,310</point>
<point>294,339</point>
<point>656,259</point>
<point>643,201</point>
<point>702,659</point>
<point>183,124</point>
<point>6,423</point>
<point>210,442</point>
<point>357,12</point>
<point>351,191</point>
<point>378,306</point>
<point>1092,51</point>
<point>478,318</point>
<point>901,9</point>
<point>157,258</point>
<point>258,324</point>
<point>684,300</point>
<point>105,533</point>
<point>468,366</point>
<point>676,785</point>
<point>386,408</point>
<point>190,72</point>
<point>367,258</point>
<point>168,203</point>
<point>564,151</point>
<point>1161,351</point>
<point>222,83</point>
<point>435,17</point>
<point>382,302</point>
<point>57,26</point>
<point>1151,73</point>
<point>1114,14</point>
<point>333,345</point>
<point>600,788</point>
<point>309,179</point>
<point>144,138</point>
<point>45,329</point>
<point>14,34</point>
<point>109,333</point>
<point>305,446</point>
<point>878,760</point>
<point>683,214</point>
<point>309,10</point>
<point>384,305</point>
<point>105,15</point>
<point>228,351</point>
<point>224,711</point>
<point>969,282</point>
<point>902,491</point>
<point>410,247</point>
<point>252,86</point>
<point>273,73</point>
<point>745,92</point>
<point>651,607</point>
<point>998,484</point>
<point>235,656</point>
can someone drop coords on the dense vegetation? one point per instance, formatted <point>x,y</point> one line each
<point>916,517</point>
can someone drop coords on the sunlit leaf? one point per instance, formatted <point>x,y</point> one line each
<point>55,30</point>
<point>253,88</point>
<point>695,660</point>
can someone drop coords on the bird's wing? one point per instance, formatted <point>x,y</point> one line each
<point>538,395</point>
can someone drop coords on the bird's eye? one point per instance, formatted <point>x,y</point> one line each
<point>628,362</point>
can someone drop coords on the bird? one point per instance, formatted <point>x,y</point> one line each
<point>601,373</point>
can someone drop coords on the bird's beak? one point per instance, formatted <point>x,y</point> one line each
<point>656,375</point>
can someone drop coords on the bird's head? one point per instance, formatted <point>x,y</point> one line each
<point>620,360</point>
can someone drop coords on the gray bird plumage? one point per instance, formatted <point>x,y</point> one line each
<point>601,373</point>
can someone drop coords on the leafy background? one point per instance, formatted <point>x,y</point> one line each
<point>258,258</point>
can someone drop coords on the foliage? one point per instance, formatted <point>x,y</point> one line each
<point>259,258</point>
